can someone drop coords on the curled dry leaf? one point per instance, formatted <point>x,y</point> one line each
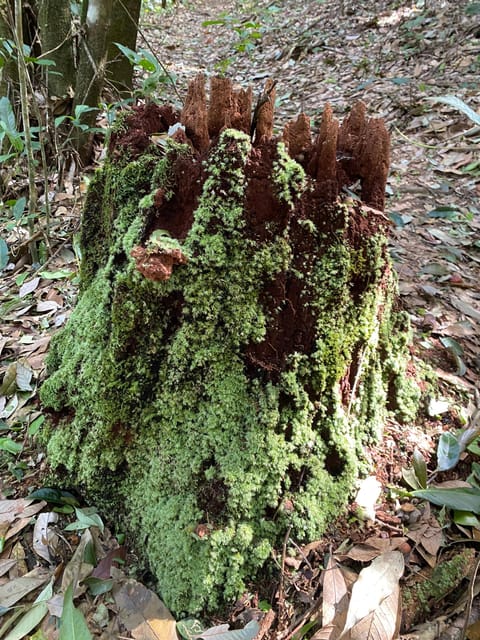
<point>43,537</point>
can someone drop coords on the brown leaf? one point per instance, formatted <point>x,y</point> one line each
<point>104,568</point>
<point>335,598</point>
<point>15,590</point>
<point>143,613</point>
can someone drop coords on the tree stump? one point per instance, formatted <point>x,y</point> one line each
<point>236,342</point>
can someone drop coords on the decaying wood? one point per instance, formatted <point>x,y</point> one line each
<point>297,135</point>
<point>262,123</point>
<point>242,109</point>
<point>324,162</point>
<point>194,114</point>
<point>221,105</point>
<point>359,149</point>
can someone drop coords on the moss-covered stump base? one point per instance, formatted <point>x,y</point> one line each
<point>235,344</point>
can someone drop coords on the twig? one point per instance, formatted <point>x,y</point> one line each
<point>281,598</point>
<point>468,610</point>
<point>437,147</point>
<point>22,77</point>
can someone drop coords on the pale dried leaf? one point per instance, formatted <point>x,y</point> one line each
<point>334,602</point>
<point>381,624</point>
<point>6,565</point>
<point>10,510</point>
<point>15,590</point>
<point>76,570</point>
<point>28,287</point>
<point>374,584</point>
<point>43,537</point>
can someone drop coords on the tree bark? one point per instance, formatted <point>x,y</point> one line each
<point>236,342</point>
<point>123,29</point>
<point>8,72</point>
<point>91,69</point>
<point>55,24</point>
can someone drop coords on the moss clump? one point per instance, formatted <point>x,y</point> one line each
<point>421,598</point>
<point>217,447</point>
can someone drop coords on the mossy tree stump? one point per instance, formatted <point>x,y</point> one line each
<point>235,343</point>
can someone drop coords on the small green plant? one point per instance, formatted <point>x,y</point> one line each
<point>247,33</point>
<point>153,72</point>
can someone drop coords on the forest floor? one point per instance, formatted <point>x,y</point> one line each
<point>402,61</point>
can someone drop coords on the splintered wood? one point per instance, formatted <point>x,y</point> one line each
<point>339,155</point>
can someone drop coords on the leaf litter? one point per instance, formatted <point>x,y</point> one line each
<point>417,67</point>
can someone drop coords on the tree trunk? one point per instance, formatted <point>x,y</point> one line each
<point>8,71</point>
<point>55,24</point>
<point>236,342</point>
<point>123,30</point>
<point>91,69</point>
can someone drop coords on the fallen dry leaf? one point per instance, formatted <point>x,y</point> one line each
<point>375,583</point>
<point>15,590</point>
<point>143,613</point>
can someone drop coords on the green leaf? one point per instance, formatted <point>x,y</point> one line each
<point>72,623</point>
<point>458,104</point>
<point>7,116</point>
<point>35,425</point>
<point>448,452</point>
<point>420,468</point>
<point>466,519</point>
<point>474,447</point>
<point>473,9</point>
<point>34,615</point>
<point>410,478</point>
<point>53,496</point>
<point>462,499</point>
<point>86,518</point>
<point>3,254</point>
<point>59,119</point>
<point>189,628</point>
<point>45,62</point>
<point>83,108</point>
<point>452,345</point>
<point>127,52</point>
<point>7,444</point>
<point>97,586</point>
<point>444,212</point>
<point>56,275</point>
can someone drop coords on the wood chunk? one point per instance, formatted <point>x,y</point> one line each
<point>323,165</point>
<point>264,115</point>
<point>364,153</point>
<point>221,105</point>
<point>297,135</point>
<point>194,114</point>
<point>376,162</point>
<point>242,109</point>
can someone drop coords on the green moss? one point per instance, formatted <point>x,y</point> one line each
<point>205,454</point>
<point>423,595</point>
<point>288,177</point>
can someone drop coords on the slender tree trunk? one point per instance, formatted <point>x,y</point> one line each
<point>8,71</point>
<point>123,30</point>
<point>91,68</point>
<point>55,23</point>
